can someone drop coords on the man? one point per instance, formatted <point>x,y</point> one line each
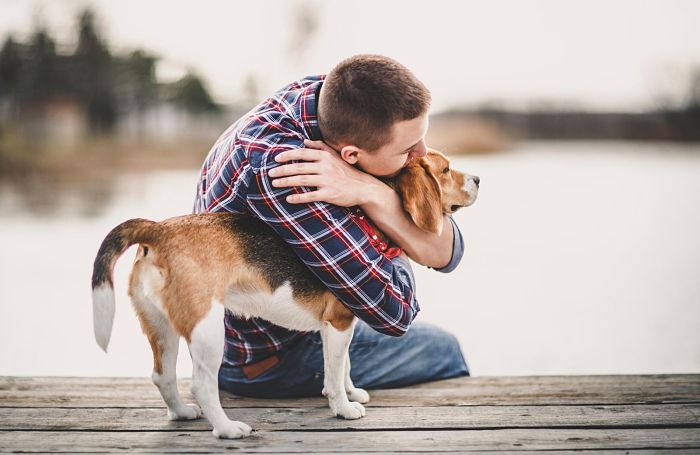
<point>367,118</point>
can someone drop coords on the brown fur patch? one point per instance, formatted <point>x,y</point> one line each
<point>421,195</point>
<point>139,268</point>
<point>337,314</point>
<point>429,189</point>
<point>153,340</point>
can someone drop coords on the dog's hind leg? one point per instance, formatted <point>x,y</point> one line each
<point>207,349</point>
<point>164,342</point>
<point>335,347</point>
<point>145,286</point>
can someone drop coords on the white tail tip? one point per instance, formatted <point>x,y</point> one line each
<point>103,313</point>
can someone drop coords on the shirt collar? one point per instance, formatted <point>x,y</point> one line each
<point>309,110</point>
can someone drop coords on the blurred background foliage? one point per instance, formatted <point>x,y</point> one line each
<point>34,77</point>
<point>59,101</point>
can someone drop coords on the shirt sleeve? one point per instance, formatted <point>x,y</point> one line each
<point>457,249</point>
<point>333,246</point>
<point>403,269</point>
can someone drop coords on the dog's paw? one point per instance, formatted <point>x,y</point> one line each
<point>324,392</point>
<point>359,395</point>
<point>350,410</point>
<point>188,412</point>
<point>232,429</point>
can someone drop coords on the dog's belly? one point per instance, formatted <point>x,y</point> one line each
<point>279,307</point>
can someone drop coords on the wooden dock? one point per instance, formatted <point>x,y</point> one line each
<point>561,414</point>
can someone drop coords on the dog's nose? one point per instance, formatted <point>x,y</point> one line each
<point>476,180</point>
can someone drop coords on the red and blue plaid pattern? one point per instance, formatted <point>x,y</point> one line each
<point>327,238</point>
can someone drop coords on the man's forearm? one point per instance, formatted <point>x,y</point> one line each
<point>383,206</point>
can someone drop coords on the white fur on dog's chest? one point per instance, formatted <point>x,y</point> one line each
<point>280,308</point>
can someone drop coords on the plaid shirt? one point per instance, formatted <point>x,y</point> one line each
<point>327,238</point>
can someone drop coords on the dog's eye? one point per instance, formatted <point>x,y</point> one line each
<point>446,170</point>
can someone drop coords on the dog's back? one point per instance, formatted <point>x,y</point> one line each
<point>185,263</point>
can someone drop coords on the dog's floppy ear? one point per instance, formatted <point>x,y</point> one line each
<point>422,196</point>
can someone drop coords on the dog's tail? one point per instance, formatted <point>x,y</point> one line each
<point>113,246</point>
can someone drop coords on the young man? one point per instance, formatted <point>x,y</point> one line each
<point>367,118</point>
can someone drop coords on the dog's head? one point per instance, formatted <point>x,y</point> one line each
<point>429,188</point>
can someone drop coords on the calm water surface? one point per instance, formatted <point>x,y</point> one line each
<point>581,258</point>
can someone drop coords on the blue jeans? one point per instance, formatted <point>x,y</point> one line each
<point>424,353</point>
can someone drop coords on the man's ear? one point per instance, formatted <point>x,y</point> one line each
<point>422,196</point>
<point>349,154</point>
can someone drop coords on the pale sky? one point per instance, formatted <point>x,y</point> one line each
<point>597,54</point>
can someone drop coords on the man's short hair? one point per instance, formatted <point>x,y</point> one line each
<point>363,96</point>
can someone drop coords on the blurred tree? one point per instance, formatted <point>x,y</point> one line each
<point>37,81</point>
<point>89,42</point>
<point>142,71</point>
<point>693,101</point>
<point>190,94</point>
<point>10,67</point>
<point>93,79</point>
<point>690,117</point>
<point>136,87</point>
<point>41,76</point>
<point>682,119</point>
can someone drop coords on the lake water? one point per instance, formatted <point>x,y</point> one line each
<point>581,258</point>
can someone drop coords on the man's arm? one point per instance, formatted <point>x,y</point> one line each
<point>341,184</point>
<point>335,248</point>
<point>457,248</point>
<point>383,206</point>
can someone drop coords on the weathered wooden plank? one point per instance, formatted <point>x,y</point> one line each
<point>544,390</point>
<point>555,452</point>
<point>664,380</point>
<point>367,441</point>
<point>468,417</point>
<point>614,380</point>
<point>552,452</point>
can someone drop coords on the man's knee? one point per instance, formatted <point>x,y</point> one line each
<point>445,347</point>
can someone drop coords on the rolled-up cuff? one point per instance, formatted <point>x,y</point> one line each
<point>457,249</point>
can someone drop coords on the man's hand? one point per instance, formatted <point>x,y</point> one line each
<point>339,183</point>
<point>336,181</point>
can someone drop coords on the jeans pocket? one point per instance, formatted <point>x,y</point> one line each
<point>238,374</point>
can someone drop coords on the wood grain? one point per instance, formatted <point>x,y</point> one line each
<point>384,418</point>
<point>366,441</point>
<point>557,414</point>
<point>542,390</point>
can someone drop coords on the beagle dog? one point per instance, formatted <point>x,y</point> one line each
<point>189,269</point>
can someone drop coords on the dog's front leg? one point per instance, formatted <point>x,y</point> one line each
<point>207,350</point>
<point>354,393</point>
<point>335,348</point>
